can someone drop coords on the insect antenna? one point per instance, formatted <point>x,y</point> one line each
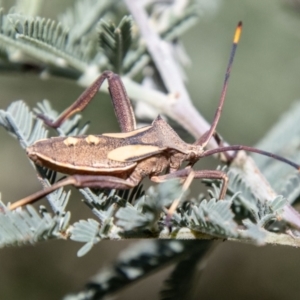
<point>204,139</point>
<point>251,149</point>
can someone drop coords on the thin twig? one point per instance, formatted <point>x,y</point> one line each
<point>188,234</point>
<point>178,102</point>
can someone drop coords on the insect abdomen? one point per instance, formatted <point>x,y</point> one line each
<point>80,155</point>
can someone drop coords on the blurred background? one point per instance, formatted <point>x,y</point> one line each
<point>264,83</point>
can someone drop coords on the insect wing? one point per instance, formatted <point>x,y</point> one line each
<point>133,153</point>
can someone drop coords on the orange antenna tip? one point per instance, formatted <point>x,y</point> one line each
<point>238,32</point>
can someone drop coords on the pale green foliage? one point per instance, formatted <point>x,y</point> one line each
<point>115,42</point>
<point>92,36</point>
<point>72,43</point>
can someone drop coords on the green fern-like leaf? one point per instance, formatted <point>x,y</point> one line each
<point>26,226</point>
<point>20,122</point>
<point>115,41</point>
<point>87,232</point>
<point>83,16</point>
<point>147,210</point>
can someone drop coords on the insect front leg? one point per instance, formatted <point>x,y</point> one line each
<point>79,181</point>
<point>188,174</point>
<point>199,174</point>
<point>121,103</point>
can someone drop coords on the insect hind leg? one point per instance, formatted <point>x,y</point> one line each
<point>79,181</point>
<point>121,103</point>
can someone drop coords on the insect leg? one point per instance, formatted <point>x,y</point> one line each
<point>189,174</point>
<point>120,100</point>
<point>204,174</point>
<point>79,181</point>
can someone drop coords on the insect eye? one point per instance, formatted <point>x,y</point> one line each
<point>192,155</point>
